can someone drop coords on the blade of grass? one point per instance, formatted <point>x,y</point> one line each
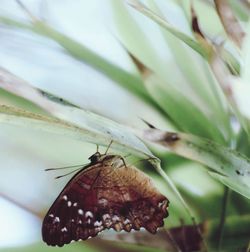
<point>183,112</point>
<point>220,71</point>
<point>162,22</point>
<point>223,217</point>
<point>204,50</point>
<point>86,127</point>
<point>198,77</point>
<point>90,122</point>
<point>229,167</point>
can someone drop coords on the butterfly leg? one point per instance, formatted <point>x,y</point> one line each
<point>117,164</point>
<point>123,160</point>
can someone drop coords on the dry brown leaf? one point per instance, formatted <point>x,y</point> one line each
<point>229,21</point>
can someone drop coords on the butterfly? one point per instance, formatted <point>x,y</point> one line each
<point>104,194</point>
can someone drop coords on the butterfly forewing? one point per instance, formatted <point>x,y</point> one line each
<point>101,197</point>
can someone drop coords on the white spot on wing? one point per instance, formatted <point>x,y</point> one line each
<point>89,214</point>
<point>51,215</point>
<point>80,211</point>
<point>106,216</point>
<point>97,223</point>
<point>86,186</point>
<point>116,218</point>
<point>65,197</point>
<point>75,204</point>
<point>64,229</point>
<point>80,222</point>
<point>57,219</point>
<point>127,221</point>
<point>69,203</point>
<point>103,201</point>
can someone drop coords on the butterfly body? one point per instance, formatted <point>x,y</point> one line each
<point>104,194</point>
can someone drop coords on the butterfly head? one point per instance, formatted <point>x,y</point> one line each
<point>96,157</point>
<point>112,160</point>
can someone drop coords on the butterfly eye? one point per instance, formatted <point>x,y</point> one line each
<point>95,157</point>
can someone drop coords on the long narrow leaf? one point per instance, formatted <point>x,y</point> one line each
<point>229,166</point>
<point>162,22</point>
<point>86,127</point>
<point>184,113</point>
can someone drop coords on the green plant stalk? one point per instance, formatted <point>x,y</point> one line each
<point>162,22</point>
<point>228,166</point>
<point>175,190</point>
<point>236,228</point>
<point>223,217</point>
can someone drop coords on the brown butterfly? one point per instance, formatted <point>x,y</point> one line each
<point>104,194</point>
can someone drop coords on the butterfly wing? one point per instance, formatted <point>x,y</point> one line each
<point>132,201</point>
<point>104,197</point>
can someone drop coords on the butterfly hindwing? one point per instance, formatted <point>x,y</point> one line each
<point>134,202</point>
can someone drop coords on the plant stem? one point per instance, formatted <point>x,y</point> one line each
<point>248,248</point>
<point>175,190</point>
<point>223,217</point>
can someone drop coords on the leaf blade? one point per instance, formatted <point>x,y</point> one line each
<point>227,163</point>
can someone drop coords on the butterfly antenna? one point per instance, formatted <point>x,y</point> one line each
<point>67,173</point>
<point>108,147</point>
<point>64,167</point>
<point>97,148</point>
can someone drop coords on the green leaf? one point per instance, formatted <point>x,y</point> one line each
<point>197,76</point>
<point>225,80</point>
<point>232,168</point>
<point>81,125</point>
<point>140,36</point>
<point>204,52</point>
<point>183,112</point>
<point>182,81</point>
